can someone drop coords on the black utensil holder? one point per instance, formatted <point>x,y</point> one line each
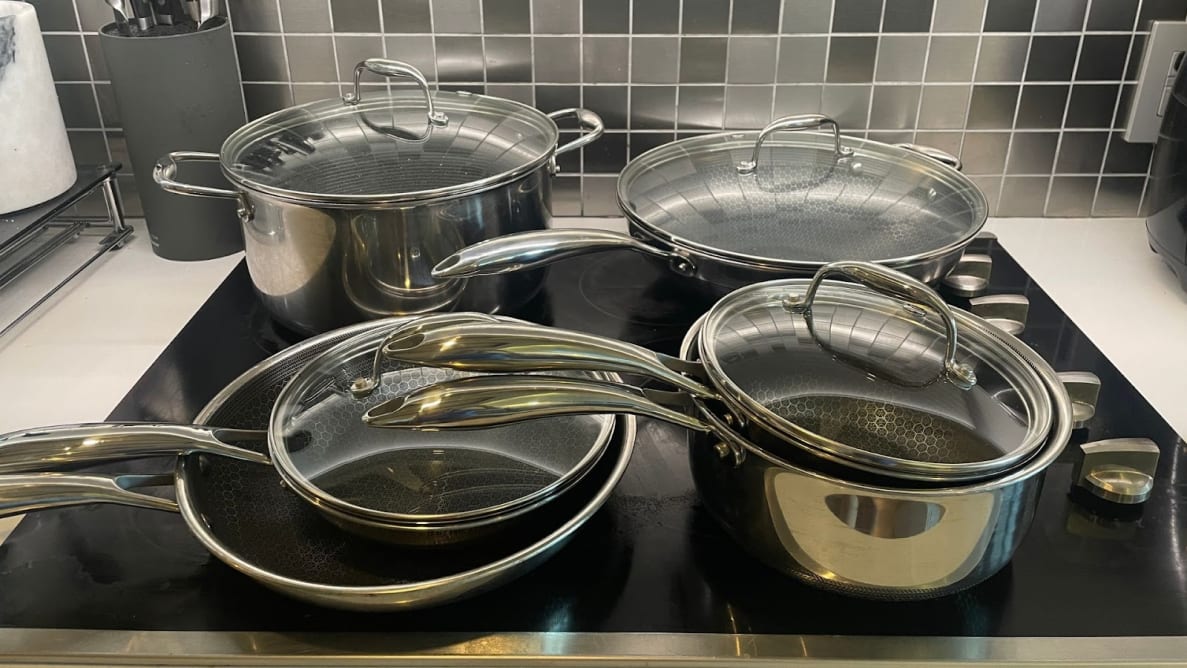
<point>179,92</point>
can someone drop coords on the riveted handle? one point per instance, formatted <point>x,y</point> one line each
<point>486,401</point>
<point>942,157</point>
<point>897,284</point>
<point>800,122</point>
<point>76,444</point>
<point>522,347</point>
<point>20,494</point>
<point>590,122</point>
<point>394,68</point>
<point>165,174</point>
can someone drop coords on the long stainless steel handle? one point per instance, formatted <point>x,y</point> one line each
<point>20,494</point>
<point>365,385</point>
<point>394,68</point>
<point>942,157</point>
<point>519,347</point>
<point>798,122</point>
<point>165,173</point>
<point>487,401</point>
<point>589,121</point>
<point>66,445</point>
<point>529,250</point>
<point>898,284</point>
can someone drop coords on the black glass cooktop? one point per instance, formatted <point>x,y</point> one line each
<point>651,560</point>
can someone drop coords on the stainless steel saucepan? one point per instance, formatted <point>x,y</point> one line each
<point>736,208</point>
<point>427,489</point>
<point>892,383</point>
<point>347,204</point>
<point>246,517</point>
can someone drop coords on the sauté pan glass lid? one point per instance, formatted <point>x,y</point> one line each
<point>321,446</point>
<point>373,146</point>
<point>885,376</point>
<point>801,199</point>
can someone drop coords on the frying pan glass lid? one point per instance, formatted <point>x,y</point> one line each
<point>800,197</point>
<point>324,450</point>
<point>372,145</point>
<point>873,379</point>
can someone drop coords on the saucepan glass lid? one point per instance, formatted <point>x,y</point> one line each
<point>867,378</point>
<point>801,197</point>
<point>321,445</point>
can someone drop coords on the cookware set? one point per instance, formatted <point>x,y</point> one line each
<point>860,434</point>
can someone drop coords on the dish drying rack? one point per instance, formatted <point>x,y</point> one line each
<point>28,238</point>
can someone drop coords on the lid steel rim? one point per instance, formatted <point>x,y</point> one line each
<point>940,164</point>
<point>244,136</point>
<point>283,463</point>
<point>839,452</point>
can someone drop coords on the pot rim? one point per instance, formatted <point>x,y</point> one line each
<point>808,267</point>
<point>1057,438</point>
<point>415,197</point>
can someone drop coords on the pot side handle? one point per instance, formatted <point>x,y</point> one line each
<point>165,173</point>
<point>530,250</point>
<point>590,122</point>
<point>21,494</point>
<point>479,402</point>
<point>78,444</point>
<point>942,157</point>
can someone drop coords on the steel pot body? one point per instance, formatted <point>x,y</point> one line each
<point>318,268</point>
<point>347,204</point>
<point>864,540</point>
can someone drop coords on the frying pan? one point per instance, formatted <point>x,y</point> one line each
<point>242,513</point>
<point>433,490</point>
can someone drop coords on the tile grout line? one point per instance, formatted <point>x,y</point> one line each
<point>1100,179</point>
<point>729,46</point>
<point>334,46</point>
<point>874,72</point>
<point>1014,135</point>
<point>1128,56</point>
<point>94,87</point>
<point>778,55</point>
<point>931,31</point>
<point>284,46</point>
<point>1067,107</point>
<point>968,107</point>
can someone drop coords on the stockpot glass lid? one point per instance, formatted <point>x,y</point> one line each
<point>866,378</point>
<point>373,146</point>
<point>321,446</point>
<point>801,198</point>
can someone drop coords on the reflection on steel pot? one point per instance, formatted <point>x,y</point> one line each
<point>347,204</point>
<point>736,208</point>
<point>877,378</point>
<point>879,541</point>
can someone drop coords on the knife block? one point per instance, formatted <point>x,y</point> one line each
<point>174,93</point>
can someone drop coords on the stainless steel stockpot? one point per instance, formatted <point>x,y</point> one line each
<point>347,204</point>
<point>735,208</point>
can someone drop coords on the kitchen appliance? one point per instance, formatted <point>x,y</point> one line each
<point>347,204</point>
<point>36,163</point>
<point>1166,224</point>
<point>733,208</point>
<point>651,575</point>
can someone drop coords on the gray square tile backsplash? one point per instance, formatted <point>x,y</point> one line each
<point>1030,93</point>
